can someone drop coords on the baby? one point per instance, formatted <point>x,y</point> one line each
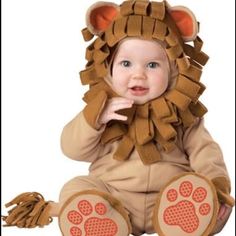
<point>154,166</point>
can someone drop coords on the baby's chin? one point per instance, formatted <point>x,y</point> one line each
<point>139,100</point>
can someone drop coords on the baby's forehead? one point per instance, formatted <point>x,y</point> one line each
<point>135,41</point>
<point>147,48</point>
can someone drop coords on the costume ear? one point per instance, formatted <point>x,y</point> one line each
<point>100,15</point>
<point>186,22</point>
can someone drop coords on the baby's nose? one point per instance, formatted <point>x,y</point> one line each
<point>139,74</point>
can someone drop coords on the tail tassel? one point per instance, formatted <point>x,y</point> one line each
<point>31,210</point>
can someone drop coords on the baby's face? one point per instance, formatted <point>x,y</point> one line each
<point>140,70</point>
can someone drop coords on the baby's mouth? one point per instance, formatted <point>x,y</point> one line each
<point>138,90</point>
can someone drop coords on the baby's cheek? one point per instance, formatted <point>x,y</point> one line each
<point>159,86</point>
<point>160,82</point>
<point>122,83</point>
<point>119,86</point>
<point>164,80</point>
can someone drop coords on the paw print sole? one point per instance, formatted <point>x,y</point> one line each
<point>89,214</point>
<point>187,206</point>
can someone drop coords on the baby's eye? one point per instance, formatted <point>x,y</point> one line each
<point>126,63</point>
<point>152,65</point>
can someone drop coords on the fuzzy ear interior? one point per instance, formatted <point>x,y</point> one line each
<point>100,15</point>
<point>186,22</point>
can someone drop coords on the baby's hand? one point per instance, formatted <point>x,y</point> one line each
<point>223,211</point>
<point>222,218</point>
<point>113,105</point>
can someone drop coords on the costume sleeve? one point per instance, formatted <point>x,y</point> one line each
<point>80,141</point>
<point>206,158</point>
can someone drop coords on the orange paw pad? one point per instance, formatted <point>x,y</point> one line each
<point>186,188</point>
<point>85,207</point>
<point>100,227</point>
<point>172,195</point>
<point>100,208</point>
<point>199,194</point>
<point>75,231</point>
<point>93,226</point>
<point>183,213</point>
<point>74,217</point>
<point>204,209</point>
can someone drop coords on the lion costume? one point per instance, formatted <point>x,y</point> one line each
<point>159,171</point>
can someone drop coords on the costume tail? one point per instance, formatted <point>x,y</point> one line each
<point>31,210</point>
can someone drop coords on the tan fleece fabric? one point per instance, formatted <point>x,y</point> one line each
<point>82,142</point>
<point>210,164</point>
<point>31,210</point>
<point>128,180</point>
<point>75,134</point>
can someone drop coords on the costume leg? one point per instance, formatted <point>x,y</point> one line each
<point>88,209</point>
<point>186,206</point>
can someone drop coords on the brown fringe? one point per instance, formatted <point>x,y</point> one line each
<point>31,210</point>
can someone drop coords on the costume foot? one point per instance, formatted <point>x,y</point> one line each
<point>187,206</point>
<point>91,213</point>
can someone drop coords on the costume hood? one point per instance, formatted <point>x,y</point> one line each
<point>151,127</point>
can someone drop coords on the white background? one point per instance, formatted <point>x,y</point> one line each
<point>42,53</point>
